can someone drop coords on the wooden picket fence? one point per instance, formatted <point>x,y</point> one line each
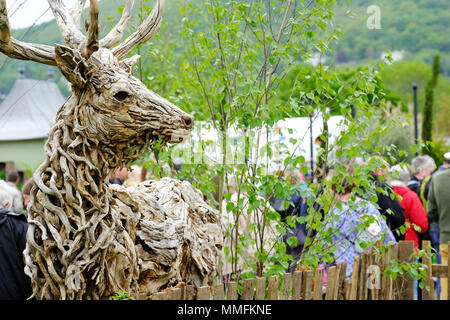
<point>368,282</point>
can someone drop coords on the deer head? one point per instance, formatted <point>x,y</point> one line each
<point>116,106</point>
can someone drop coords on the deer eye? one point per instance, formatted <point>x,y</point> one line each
<point>121,95</point>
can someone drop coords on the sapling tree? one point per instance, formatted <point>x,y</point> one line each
<point>234,56</point>
<point>427,121</point>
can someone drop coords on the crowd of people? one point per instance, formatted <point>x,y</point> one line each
<point>415,198</point>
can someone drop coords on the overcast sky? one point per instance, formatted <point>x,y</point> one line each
<point>23,13</point>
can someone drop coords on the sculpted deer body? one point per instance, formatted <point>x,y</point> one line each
<point>77,237</point>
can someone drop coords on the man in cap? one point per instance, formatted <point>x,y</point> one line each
<point>446,163</point>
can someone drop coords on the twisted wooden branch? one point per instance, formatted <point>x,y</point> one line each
<point>22,50</point>
<point>115,35</point>
<point>146,30</point>
<point>91,45</point>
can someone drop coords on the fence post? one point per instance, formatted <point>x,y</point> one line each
<point>296,285</point>
<point>448,272</point>
<point>159,296</point>
<point>218,292</point>
<point>405,249</point>
<point>318,284</point>
<point>248,289</point>
<point>393,284</point>
<point>272,289</point>
<point>385,279</point>
<point>355,277</point>
<point>342,283</point>
<point>428,295</point>
<point>260,288</point>
<point>374,280</point>
<point>307,283</point>
<point>347,288</point>
<point>232,291</point>
<point>285,286</point>
<point>204,293</point>
<point>362,290</point>
<point>190,292</point>
<point>174,294</point>
<point>331,283</point>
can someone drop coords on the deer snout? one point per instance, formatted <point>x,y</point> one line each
<point>187,121</point>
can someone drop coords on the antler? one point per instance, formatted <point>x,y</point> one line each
<point>76,10</point>
<point>67,22</point>
<point>73,37</point>
<point>91,44</point>
<point>22,50</point>
<point>145,31</point>
<point>115,35</point>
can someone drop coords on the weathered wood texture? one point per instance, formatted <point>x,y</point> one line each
<point>86,240</point>
<point>427,260</point>
<point>406,282</point>
<point>248,288</point>
<point>177,236</point>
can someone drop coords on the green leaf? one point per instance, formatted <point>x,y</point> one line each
<point>292,241</point>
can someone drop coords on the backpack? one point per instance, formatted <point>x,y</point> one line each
<point>423,199</point>
<point>423,186</point>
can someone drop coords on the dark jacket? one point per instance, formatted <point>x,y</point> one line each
<point>294,202</point>
<point>14,284</point>
<point>297,207</point>
<point>396,219</point>
<point>414,185</point>
<point>438,205</point>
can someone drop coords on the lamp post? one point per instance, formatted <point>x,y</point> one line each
<point>311,142</point>
<point>416,132</point>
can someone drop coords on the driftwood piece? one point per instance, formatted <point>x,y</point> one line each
<point>178,236</point>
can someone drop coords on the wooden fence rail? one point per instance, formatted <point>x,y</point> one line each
<point>368,282</point>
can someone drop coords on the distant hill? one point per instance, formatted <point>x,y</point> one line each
<point>419,27</point>
<point>48,33</point>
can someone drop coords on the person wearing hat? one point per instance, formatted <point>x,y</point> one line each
<point>446,163</point>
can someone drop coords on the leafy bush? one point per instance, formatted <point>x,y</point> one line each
<point>436,150</point>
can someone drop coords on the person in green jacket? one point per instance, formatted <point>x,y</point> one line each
<point>438,208</point>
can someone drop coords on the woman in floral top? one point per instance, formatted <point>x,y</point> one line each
<point>355,228</point>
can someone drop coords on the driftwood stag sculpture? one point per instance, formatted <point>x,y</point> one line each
<point>85,241</point>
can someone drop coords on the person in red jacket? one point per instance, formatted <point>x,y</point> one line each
<point>415,214</point>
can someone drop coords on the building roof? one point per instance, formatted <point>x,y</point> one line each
<point>29,110</point>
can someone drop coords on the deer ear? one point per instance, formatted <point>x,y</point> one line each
<point>128,64</point>
<point>72,65</point>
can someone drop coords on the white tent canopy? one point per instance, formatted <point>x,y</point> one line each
<point>291,136</point>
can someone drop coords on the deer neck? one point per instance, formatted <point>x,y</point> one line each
<point>77,168</point>
<point>72,197</point>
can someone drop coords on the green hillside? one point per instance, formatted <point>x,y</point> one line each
<point>48,33</point>
<point>419,27</point>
